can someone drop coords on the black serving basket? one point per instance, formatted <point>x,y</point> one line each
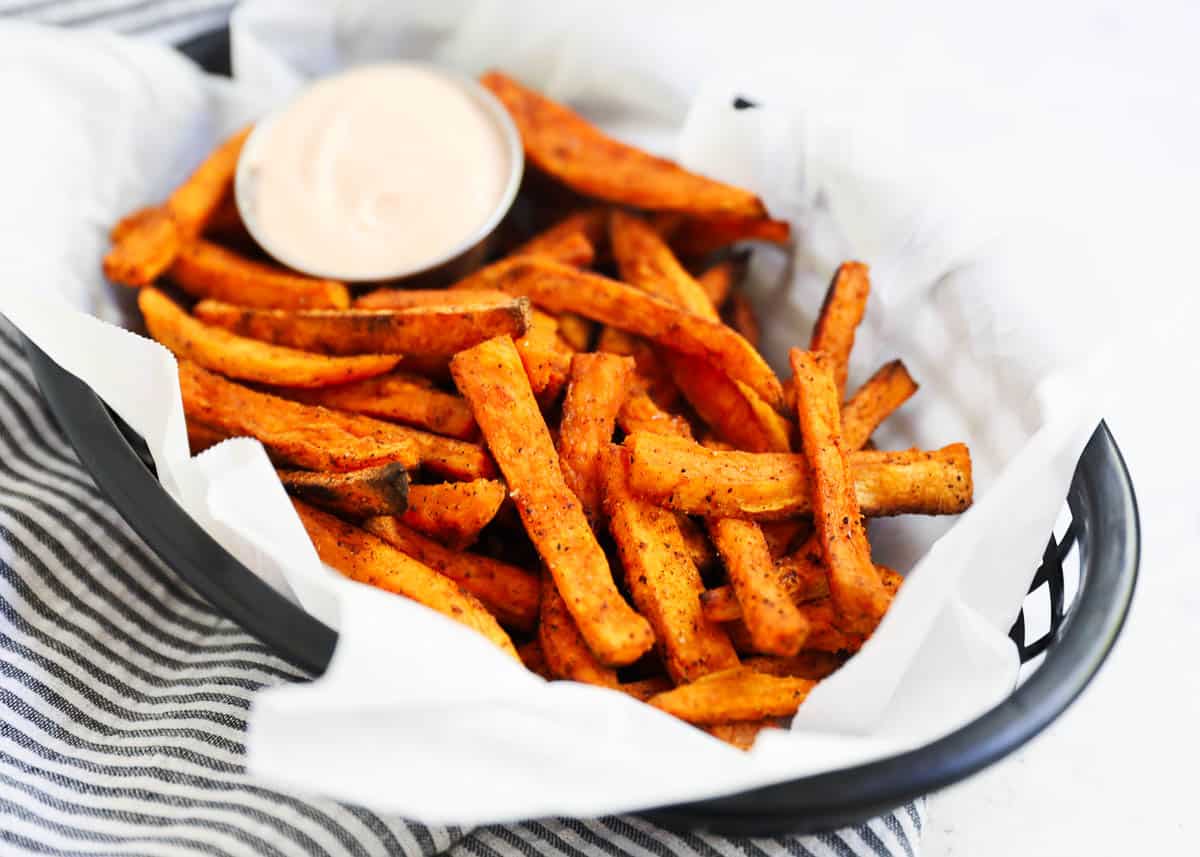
<point>1096,553</point>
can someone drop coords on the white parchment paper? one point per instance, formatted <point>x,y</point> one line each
<point>971,287</point>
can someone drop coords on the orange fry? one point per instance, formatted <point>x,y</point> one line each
<point>719,280</point>
<point>588,418</point>
<point>410,298</point>
<point>144,246</point>
<point>419,330</point>
<point>193,203</point>
<point>640,413</point>
<point>207,270</point>
<point>842,311</point>
<point>560,241</point>
<point>742,318</point>
<point>546,358</point>
<point>744,733</point>
<point>812,665</point>
<point>492,380</point>
<point>567,655</point>
<point>853,584</point>
<point>652,374</point>
<point>579,155</point>
<point>695,237</point>
<point>734,694</point>
<point>378,490</point>
<point>361,556</point>
<point>509,592</point>
<point>453,512</point>
<point>889,388</point>
<point>248,359</point>
<point>646,261</point>
<point>534,658</point>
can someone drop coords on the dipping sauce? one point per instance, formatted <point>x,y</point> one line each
<point>378,172</point>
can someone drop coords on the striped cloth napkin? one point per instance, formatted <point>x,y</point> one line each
<point>124,695</point>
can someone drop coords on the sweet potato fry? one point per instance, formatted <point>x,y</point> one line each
<point>492,380</point>
<point>889,388</point>
<point>420,330</point>
<point>509,592</point>
<point>775,623</point>
<point>640,413</point>
<point>664,583</point>
<point>410,298</point>
<point>576,330</point>
<point>561,288</point>
<point>740,315</point>
<point>811,665</point>
<point>579,155</point>
<point>202,437</point>
<point>695,237</point>
<point>378,490</point>
<point>719,280</point>
<point>699,548</point>
<point>645,688</point>
<point>398,397</point>
<point>534,658</point>
<point>842,311</point>
<point>733,410</point>
<point>589,415</point>
<point>317,438</point>
<point>193,203</point>
<point>453,512</point>
<point>646,261</point>
<point>145,244</point>
<point>742,734</point>
<point>207,270</point>
<point>652,374</point>
<point>734,694</point>
<point>772,485</point>
<point>567,655</point>
<point>783,536</point>
<point>853,584</point>
<point>361,556</point>
<point>546,358</point>
<point>248,359</point>
<point>561,242</point>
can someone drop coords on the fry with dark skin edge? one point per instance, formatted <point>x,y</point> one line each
<point>841,312</point>
<point>145,244</point>
<point>317,438</point>
<point>563,144</point>
<point>453,512</point>
<point>735,694</point>
<point>694,237</point>
<point>561,288</point>
<point>534,659</point>
<point>397,397</point>
<point>379,490</point>
<point>509,592</point>
<point>202,437</point>
<point>207,270</point>
<point>775,623</point>
<point>889,388</point>
<point>853,584</point>
<point>368,559</point>
<point>567,655</point>
<point>640,413</point>
<point>662,579</point>
<point>719,280</point>
<point>194,202</point>
<point>419,330</point>
<point>410,298</point>
<point>248,359</point>
<point>589,414</point>
<point>491,379</point>
<point>740,315</point>
<point>685,476</point>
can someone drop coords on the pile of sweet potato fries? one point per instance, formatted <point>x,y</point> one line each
<point>576,451</point>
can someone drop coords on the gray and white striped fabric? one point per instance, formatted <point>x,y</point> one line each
<point>123,695</point>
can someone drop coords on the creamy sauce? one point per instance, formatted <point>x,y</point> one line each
<point>375,173</point>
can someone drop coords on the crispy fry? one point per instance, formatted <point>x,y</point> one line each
<point>734,694</point>
<point>889,388</point>
<point>567,655</point>
<point>144,246</point>
<point>742,734</point>
<point>492,380</point>
<point>575,330</point>
<point>646,261</point>
<point>419,330</point>
<point>699,548</point>
<point>811,665</point>
<point>561,288</point>
<point>453,512</point>
<point>579,155</point>
<point>782,536</point>
<point>645,688</point>
<point>202,437</point>
<point>317,438</point>
<point>378,490</point>
<point>775,623</point>
<point>733,410</point>
<point>772,485</point>
<point>853,584</point>
<point>561,242</point>
<point>664,583</point>
<point>742,318</point>
<point>368,559</point>
<point>695,237</point>
<point>193,203</point>
<point>546,358</point>
<point>823,636</point>
<point>248,359</point>
<point>207,270</point>
<point>398,397</point>
<point>225,224</point>
<point>640,413</point>
<point>410,298</point>
<point>842,311</point>
<point>652,373</point>
<point>719,280</point>
<point>589,415</point>
<point>509,592</point>
<point>534,658</point>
